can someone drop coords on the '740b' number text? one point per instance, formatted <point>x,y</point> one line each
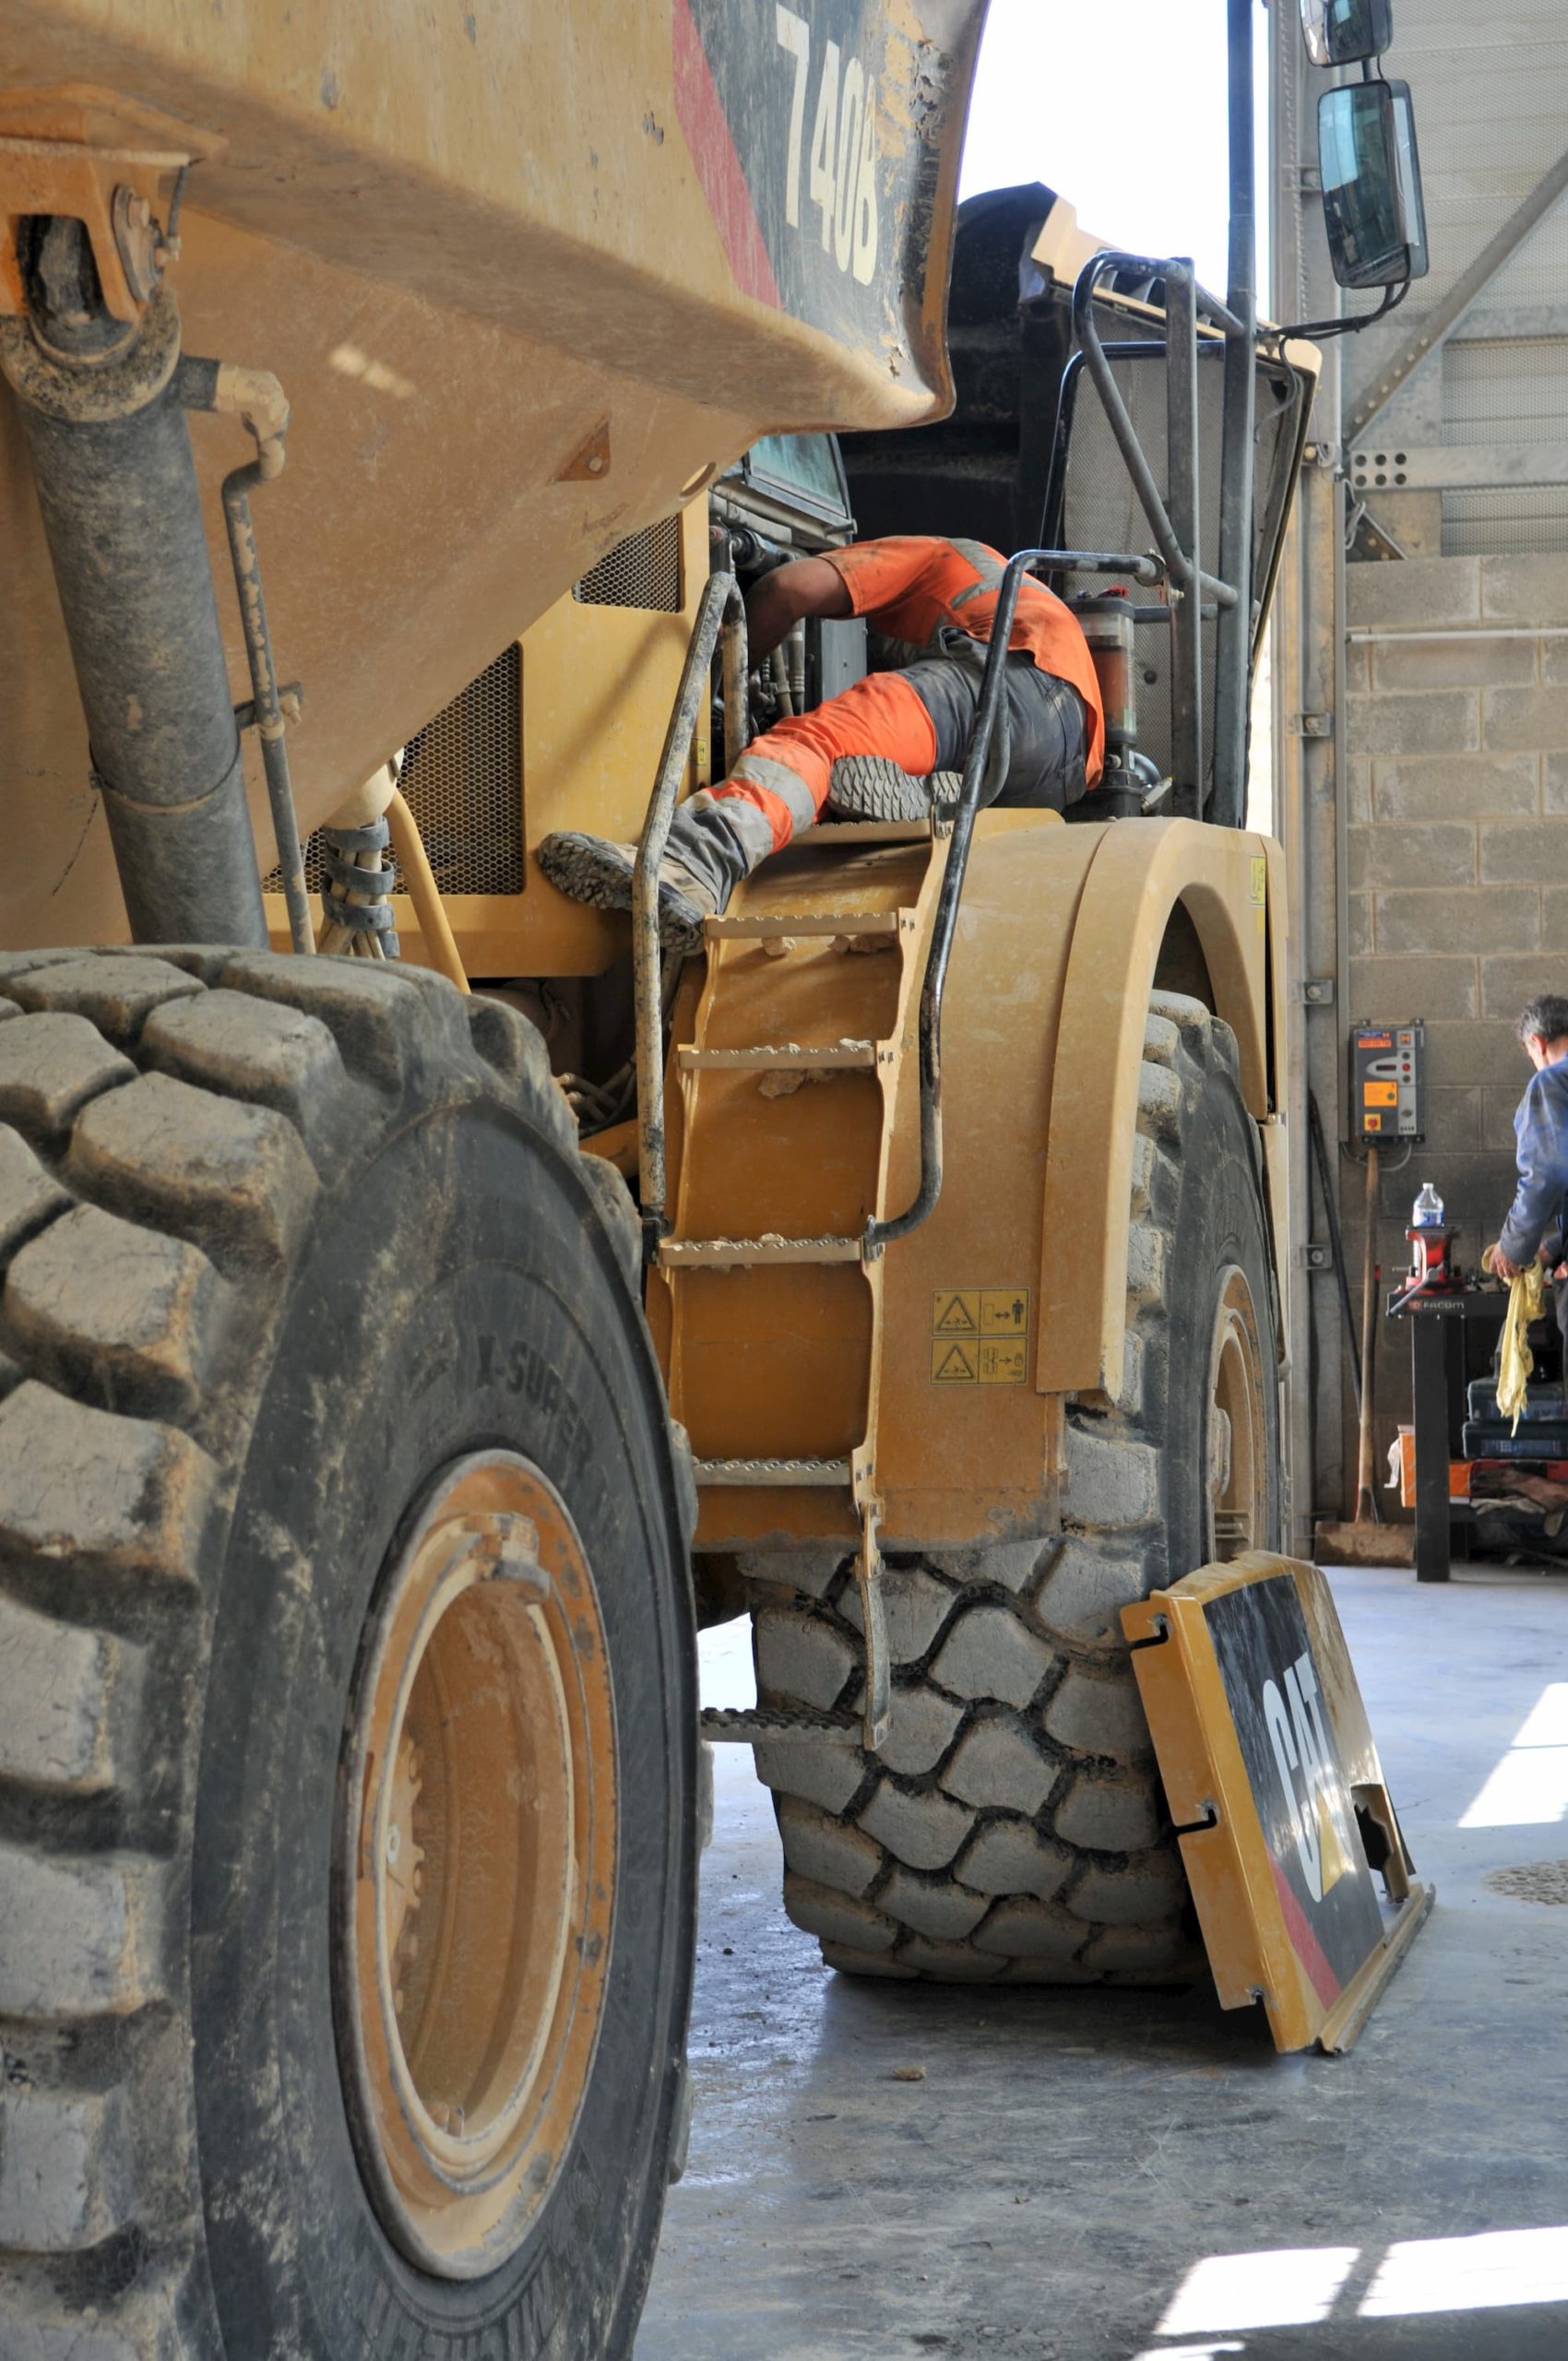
<point>841,163</point>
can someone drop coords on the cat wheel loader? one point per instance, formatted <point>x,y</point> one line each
<point>417,1316</point>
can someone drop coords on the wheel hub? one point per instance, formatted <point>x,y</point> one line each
<point>476,1866</point>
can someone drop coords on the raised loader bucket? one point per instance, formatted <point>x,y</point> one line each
<point>529,276</point>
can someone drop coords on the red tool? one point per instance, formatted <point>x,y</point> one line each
<point>1430,1271</point>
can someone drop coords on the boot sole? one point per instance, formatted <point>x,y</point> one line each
<point>588,872</point>
<point>868,787</point>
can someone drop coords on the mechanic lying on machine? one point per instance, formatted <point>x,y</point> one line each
<point>936,600</point>
<point>1537,1220</point>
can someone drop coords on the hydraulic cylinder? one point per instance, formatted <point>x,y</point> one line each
<point>111,459</point>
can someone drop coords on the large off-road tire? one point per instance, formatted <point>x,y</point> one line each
<point>1014,1826</point>
<point>347,1681</point>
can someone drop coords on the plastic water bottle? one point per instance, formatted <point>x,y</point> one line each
<point>1428,1210</point>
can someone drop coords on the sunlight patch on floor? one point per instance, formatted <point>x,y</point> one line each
<point>1529,1787</point>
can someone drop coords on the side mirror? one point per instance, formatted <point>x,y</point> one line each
<point>1343,32</point>
<point>1372,208</point>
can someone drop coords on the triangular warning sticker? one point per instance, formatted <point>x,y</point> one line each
<point>956,1319</point>
<point>955,1368</point>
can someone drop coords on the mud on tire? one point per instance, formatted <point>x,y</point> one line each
<point>1013,1827</point>
<point>282,1239</point>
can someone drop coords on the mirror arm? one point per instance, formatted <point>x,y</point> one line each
<point>1320,330</point>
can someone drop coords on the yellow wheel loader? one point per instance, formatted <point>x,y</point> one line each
<point>417,1315</point>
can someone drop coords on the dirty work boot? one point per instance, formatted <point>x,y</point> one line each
<point>592,870</point>
<point>869,787</point>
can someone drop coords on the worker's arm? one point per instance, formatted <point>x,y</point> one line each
<point>807,586</point>
<point>1542,1156</point>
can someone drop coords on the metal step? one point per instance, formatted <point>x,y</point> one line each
<point>724,1253</point>
<point>734,1725</point>
<point>788,1058</point>
<point>762,1474</point>
<point>833,923</point>
<point>844,833</point>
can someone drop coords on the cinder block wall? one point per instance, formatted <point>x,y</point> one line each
<point>1458,836</point>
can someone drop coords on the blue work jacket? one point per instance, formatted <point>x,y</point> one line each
<point>1539,1211</point>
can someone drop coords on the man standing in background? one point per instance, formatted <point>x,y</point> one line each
<point>1537,1220</point>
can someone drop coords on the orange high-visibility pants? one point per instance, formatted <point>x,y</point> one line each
<point>780,782</point>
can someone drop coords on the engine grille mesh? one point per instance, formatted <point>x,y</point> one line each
<point>642,571</point>
<point>462,780</point>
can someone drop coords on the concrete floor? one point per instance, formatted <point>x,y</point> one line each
<point>1116,2176</point>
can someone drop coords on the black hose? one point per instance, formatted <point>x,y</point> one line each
<point>1336,1249</point>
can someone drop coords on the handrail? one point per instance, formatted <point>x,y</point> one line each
<point>1142,569</point>
<point>978,767</point>
<point>720,607</point>
<point>1183,569</point>
<point>1174,517</point>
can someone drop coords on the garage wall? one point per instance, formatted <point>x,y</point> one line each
<point>1423,723</point>
<point>1457,859</point>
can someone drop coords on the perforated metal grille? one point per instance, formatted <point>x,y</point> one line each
<point>1505,390</point>
<point>642,571</point>
<point>462,776</point>
<point>1492,90</point>
<point>1513,520</point>
<point>1535,273</point>
<point>462,780</point>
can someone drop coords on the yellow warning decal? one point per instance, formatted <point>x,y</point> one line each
<point>955,1312</point>
<point>979,1336</point>
<point>1260,877</point>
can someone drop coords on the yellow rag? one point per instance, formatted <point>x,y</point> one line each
<point>1526,1301</point>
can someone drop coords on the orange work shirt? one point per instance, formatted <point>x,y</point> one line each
<point>908,584</point>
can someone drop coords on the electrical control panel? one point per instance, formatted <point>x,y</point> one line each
<point>1386,1081</point>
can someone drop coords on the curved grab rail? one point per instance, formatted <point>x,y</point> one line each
<point>987,753</point>
<point>1178,276</point>
<point>721,608</point>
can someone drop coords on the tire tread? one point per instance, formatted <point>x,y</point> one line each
<point>1019,1648</point>
<point>173,1119</point>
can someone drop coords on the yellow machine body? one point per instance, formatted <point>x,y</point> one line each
<point>948,1359</point>
<point>525,298</point>
<point>588,689</point>
<point>501,377</point>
